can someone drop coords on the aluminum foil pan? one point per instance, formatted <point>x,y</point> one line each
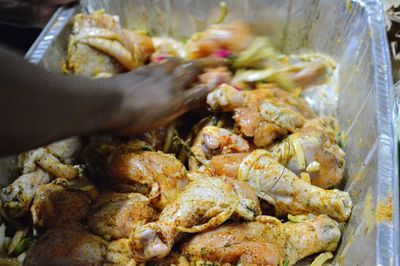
<point>351,32</point>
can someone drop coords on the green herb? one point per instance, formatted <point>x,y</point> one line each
<point>22,246</point>
<point>285,263</point>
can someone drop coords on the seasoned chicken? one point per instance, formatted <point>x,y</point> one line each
<point>205,203</point>
<point>18,196</point>
<point>119,254</point>
<point>214,77</point>
<point>288,193</point>
<point>160,176</point>
<point>234,37</point>
<point>73,247</point>
<point>226,164</point>
<point>265,114</point>
<point>264,242</point>
<point>99,46</point>
<point>55,206</point>
<point>313,150</point>
<point>55,158</point>
<point>213,140</point>
<point>320,234</point>
<point>85,59</point>
<point>116,215</point>
<point>166,47</point>
<point>227,98</point>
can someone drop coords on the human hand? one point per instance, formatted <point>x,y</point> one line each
<point>156,94</point>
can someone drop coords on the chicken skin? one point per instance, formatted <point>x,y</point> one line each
<point>288,193</point>
<point>100,47</point>
<point>265,114</point>
<point>234,37</point>
<point>55,206</point>
<point>265,241</point>
<point>67,247</point>
<point>313,150</point>
<point>158,175</point>
<point>213,140</point>
<point>118,214</point>
<point>18,196</point>
<point>205,203</point>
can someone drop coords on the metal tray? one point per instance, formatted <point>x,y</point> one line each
<point>353,33</point>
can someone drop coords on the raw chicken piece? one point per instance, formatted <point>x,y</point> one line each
<point>141,46</point>
<point>119,254</point>
<point>160,176</point>
<point>226,164</point>
<point>55,206</point>
<point>67,247</point>
<point>227,98</point>
<point>213,140</point>
<point>86,60</point>
<point>313,150</point>
<point>289,194</point>
<point>264,242</point>
<point>55,158</point>
<point>319,234</point>
<point>205,203</point>
<point>214,77</point>
<point>99,46</point>
<point>234,37</point>
<point>265,114</point>
<point>118,214</point>
<point>166,47</point>
<point>18,196</point>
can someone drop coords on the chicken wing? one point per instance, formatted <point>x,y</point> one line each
<point>213,140</point>
<point>265,114</point>
<point>18,196</point>
<point>160,176</point>
<point>264,242</point>
<point>55,206</point>
<point>234,37</point>
<point>98,45</point>
<point>119,254</point>
<point>117,214</point>
<point>67,247</point>
<point>313,150</point>
<point>205,203</point>
<point>289,194</point>
<point>83,57</point>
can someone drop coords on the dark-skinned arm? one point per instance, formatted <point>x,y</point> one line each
<point>39,107</point>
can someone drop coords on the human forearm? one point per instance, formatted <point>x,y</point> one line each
<point>39,107</point>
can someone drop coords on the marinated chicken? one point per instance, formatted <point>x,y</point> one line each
<point>67,247</point>
<point>116,215</point>
<point>160,176</point>
<point>18,196</point>
<point>265,114</point>
<point>265,241</point>
<point>234,37</point>
<point>56,206</point>
<point>313,150</point>
<point>99,46</point>
<point>288,193</point>
<point>205,203</point>
<point>213,140</point>
<point>192,192</point>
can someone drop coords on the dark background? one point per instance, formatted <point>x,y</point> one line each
<point>19,39</point>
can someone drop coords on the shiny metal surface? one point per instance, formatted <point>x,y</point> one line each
<point>351,32</point>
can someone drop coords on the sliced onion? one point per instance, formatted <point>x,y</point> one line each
<point>322,258</point>
<point>249,161</point>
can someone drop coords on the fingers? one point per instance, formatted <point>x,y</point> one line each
<point>195,97</point>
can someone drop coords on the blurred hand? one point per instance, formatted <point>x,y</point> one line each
<point>157,94</point>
